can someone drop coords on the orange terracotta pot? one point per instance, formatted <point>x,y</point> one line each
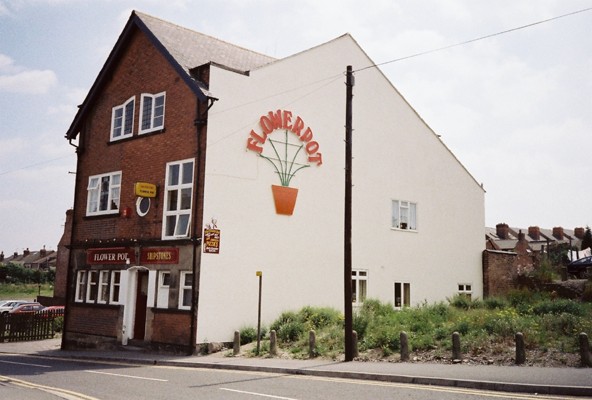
<point>284,198</point>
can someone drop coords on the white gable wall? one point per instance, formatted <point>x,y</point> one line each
<point>396,156</point>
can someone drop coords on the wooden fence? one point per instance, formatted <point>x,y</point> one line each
<point>28,326</point>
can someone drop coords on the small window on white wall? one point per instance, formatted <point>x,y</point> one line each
<point>404,215</point>
<point>164,284</point>
<point>402,294</point>
<point>465,289</point>
<point>359,286</point>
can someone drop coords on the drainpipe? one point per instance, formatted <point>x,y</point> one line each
<point>69,270</point>
<point>196,239</point>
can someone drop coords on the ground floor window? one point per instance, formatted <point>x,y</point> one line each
<point>164,284</point>
<point>80,286</point>
<point>465,289</point>
<point>186,283</point>
<point>359,286</point>
<point>98,286</point>
<point>402,294</point>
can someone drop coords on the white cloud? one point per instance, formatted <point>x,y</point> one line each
<point>28,82</point>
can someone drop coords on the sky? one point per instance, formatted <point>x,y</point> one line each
<point>514,108</point>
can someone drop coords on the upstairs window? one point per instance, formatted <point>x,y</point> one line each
<point>103,194</point>
<point>404,215</point>
<point>152,118</point>
<point>178,198</point>
<point>122,120</point>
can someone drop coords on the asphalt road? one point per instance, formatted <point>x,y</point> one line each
<point>39,378</point>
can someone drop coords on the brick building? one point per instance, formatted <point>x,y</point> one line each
<point>179,142</point>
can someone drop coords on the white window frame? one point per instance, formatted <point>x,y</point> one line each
<point>465,289</point>
<point>152,116</point>
<point>404,215</point>
<point>164,285</point>
<point>177,208</point>
<point>92,286</point>
<point>184,290</point>
<point>122,120</point>
<point>96,193</point>
<point>81,280</point>
<point>359,286</point>
<point>404,289</point>
<point>115,288</point>
<point>103,288</point>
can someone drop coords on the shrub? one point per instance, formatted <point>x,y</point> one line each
<point>319,317</point>
<point>492,303</point>
<point>248,335</point>
<point>558,307</point>
<point>290,331</point>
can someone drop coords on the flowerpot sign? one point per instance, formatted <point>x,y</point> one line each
<point>288,153</point>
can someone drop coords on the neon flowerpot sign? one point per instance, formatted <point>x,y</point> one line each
<point>288,152</point>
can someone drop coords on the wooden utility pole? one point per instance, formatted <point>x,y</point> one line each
<point>347,259</point>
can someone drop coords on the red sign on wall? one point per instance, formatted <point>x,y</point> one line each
<point>160,256</point>
<point>113,255</point>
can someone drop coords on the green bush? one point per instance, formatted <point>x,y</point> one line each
<point>290,331</point>
<point>558,307</point>
<point>247,335</point>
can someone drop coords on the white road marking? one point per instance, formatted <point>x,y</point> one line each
<point>127,376</point>
<point>27,364</point>
<point>258,394</point>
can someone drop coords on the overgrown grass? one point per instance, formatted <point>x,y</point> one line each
<point>545,323</point>
<point>24,291</point>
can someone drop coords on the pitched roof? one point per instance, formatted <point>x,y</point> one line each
<point>191,49</point>
<point>185,49</point>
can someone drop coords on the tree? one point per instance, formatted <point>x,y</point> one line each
<point>587,239</point>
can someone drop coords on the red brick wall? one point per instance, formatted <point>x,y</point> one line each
<point>499,272</point>
<point>171,328</point>
<point>101,321</point>
<point>142,158</point>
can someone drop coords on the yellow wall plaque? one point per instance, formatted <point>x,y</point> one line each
<point>144,189</point>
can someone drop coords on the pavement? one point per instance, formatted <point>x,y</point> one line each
<point>518,379</point>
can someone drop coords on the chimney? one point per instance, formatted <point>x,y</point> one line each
<point>534,232</point>
<point>579,233</point>
<point>1,256</point>
<point>43,252</point>
<point>26,252</point>
<point>502,231</point>
<point>558,233</point>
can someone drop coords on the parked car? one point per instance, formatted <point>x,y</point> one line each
<point>579,268</point>
<point>27,308</point>
<point>55,310</point>
<point>7,305</point>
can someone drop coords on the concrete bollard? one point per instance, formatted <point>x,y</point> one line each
<point>273,343</point>
<point>404,346</point>
<point>312,344</point>
<point>456,353</point>
<point>585,356</point>
<point>355,344</point>
<point>520,349</point>
<point>236,343</point>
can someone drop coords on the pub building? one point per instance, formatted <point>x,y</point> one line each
<point>202,165</point>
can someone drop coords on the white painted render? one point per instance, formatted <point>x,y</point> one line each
<point>396,156</point>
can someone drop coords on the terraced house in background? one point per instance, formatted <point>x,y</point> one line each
<point>201,163</point>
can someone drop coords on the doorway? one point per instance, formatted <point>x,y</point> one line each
<point>140,306</point>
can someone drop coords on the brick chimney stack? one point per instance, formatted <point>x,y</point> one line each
<point>1,256</point>
<point>26,252</point>
<point>43,252</point>
<point>502,231</point>
<point>579,233</point>
<point>558,232</point>
<point>534,232</point>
